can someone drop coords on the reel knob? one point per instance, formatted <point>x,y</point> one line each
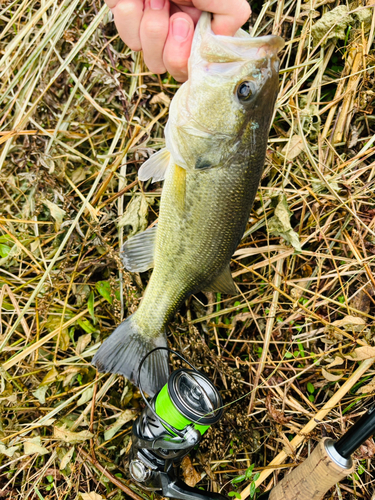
<point>139,471</point>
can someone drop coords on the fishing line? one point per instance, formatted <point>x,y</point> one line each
<point>172,412</point>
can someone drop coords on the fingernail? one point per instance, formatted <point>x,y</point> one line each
<point>157,4</point>
<point>180,29</point>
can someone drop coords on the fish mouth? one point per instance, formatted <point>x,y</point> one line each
<point>264,46</point>
<point>237,48</point>
<point>240,48</point>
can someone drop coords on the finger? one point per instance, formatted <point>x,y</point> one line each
<point>154,32</point>
<point>183,2</point>
<point>127,15</point>
<point>228,17</point>
<point>188,9</point>
<point>178,45</point>
<point>111,3</point>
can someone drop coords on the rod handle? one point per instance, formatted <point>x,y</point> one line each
<point>315,476</point>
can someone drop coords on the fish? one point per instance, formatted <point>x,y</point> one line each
<point>216,139</point>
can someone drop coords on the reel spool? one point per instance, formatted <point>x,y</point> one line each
<point>169,427</point>
<point>189,398</point>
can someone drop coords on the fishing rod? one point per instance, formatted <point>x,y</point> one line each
<point>328,464</point>
<point>174,421</point>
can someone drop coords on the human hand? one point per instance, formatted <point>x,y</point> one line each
<point>164,29</point>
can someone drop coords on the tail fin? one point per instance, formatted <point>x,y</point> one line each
<point>123,351</point>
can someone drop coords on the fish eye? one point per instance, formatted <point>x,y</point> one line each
<point>245,90</point>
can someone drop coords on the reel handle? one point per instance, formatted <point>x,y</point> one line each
<point>175,488</point>
<point>315,476</point>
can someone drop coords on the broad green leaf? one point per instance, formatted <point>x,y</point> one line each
<point>238,479</point>
<point>252,490</point>
<point>4,250</point>
<point>234,494</point>
<point>310,388</point>
<point>104,288</point>
<point>249,471</point>
<point>90,305</point>
<point>86,325</point>
<point>4,238</point>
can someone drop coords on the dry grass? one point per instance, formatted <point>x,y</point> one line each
<point>79,113</point>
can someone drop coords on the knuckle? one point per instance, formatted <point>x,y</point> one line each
<point>153,29</point>
<point>244,12</point>
<point>154,64</point>
<point>178,66</point>
<point>127,9</point>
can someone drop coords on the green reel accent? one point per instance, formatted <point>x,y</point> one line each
<point>168,412</point>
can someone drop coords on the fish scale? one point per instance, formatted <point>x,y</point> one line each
<point>216,140</point>
<point>204,240</point>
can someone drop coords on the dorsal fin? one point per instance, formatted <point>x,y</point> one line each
<point>223,283</point>
<point>137,253</point>
<point>155,167</point>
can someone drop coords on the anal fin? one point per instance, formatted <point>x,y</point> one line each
<point>155,167</point>
<point>223,284</point>
<point>137,253</point>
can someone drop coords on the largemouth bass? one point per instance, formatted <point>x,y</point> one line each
<point>216,139</point>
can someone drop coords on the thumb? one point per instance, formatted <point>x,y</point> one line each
<point>178,45</point>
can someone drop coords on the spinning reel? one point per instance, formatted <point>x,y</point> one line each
<point>175,419</point>
<point>169,427</point>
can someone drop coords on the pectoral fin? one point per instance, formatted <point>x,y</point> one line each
<point>137,253</point>
<point>155,167</point>
<point>223,284</point>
